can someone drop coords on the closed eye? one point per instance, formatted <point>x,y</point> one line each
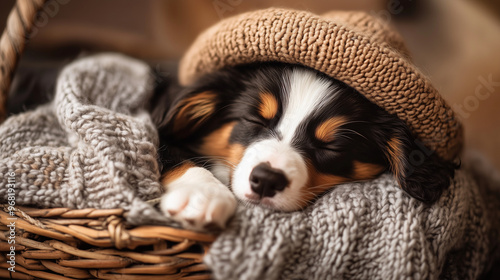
<point>331,147</point>
<point>255,121</point>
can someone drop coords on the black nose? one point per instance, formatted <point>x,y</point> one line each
<point>265,180</point>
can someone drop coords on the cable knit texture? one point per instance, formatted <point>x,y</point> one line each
<point>353,47</point>
<point>93,146</point>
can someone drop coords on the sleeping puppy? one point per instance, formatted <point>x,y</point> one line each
<point>278,136</point>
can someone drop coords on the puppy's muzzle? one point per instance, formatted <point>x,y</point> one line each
<point>265,181</point>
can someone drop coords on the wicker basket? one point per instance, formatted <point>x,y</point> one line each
<point>66,243</point>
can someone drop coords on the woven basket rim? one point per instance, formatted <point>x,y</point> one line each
<point>56,241</point>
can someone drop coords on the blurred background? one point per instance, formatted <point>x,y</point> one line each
<point>455,42</point>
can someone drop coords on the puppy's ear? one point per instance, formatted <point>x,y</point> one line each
<point>190,112</point>
<point>419,171</point>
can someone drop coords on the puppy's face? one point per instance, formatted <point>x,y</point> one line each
<point>302,134</point>
<point>281,136</point>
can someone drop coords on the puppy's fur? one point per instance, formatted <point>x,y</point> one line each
<point>279,136</point>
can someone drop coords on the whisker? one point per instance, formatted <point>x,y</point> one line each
<point>354,121</point>
<point>214,158</point>
<point>352,131</point>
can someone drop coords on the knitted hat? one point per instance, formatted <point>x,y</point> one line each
<point>353,47</point>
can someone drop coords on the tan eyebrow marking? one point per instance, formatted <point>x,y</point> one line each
<point>326,130</point>
<point>268,105</point>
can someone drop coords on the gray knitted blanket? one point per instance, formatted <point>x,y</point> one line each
<point>368,230</point>
<point>94,146</point>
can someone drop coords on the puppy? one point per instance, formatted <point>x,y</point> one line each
<point>278,136</point>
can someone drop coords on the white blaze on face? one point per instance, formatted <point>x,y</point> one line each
<point>305,93</point>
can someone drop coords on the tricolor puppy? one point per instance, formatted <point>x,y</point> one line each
<point>279,136</point>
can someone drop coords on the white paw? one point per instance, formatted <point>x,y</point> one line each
<point>198,200</point>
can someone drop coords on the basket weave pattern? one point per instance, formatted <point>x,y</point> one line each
<point>62,243</point>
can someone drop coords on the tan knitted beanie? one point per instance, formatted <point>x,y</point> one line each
<point>352,47</point>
